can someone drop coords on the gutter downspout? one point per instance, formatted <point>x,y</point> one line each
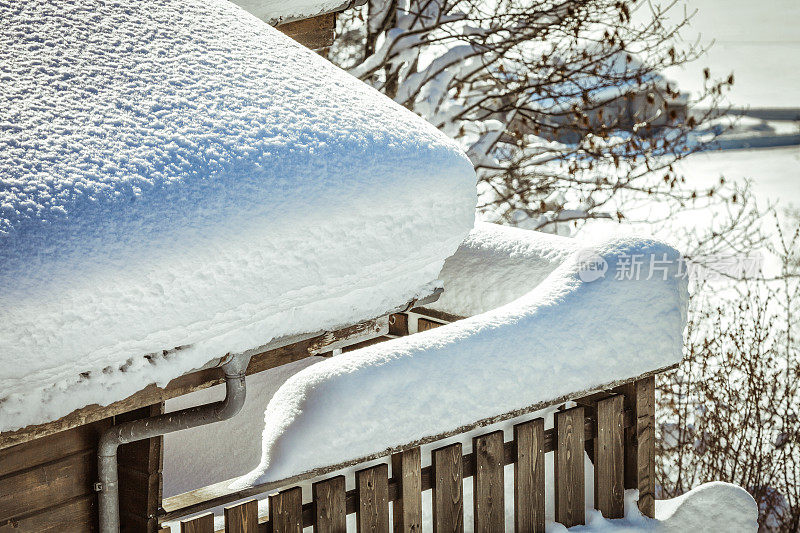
<point>113,437</point>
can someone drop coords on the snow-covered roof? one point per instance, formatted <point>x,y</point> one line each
<point>576,329</point>
<point>176,173</point>
<point>275,11</point>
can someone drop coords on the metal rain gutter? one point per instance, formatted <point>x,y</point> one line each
<point>136,430</point>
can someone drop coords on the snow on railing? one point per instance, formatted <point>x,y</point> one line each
<point>614,426</point>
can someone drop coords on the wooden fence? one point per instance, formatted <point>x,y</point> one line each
<point>615,428</point>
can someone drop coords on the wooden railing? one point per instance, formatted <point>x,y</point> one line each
<point>615,427</point>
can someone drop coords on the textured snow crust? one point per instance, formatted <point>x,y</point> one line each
<point>275,11</point>
<point>496,265</point>
<point>176,173</point>
<point>563,336</point>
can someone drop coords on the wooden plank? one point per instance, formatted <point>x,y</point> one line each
<point>201,524</point>
<point>407,508</point>
<point>646,444</point>
<point>39,451</point>
<point>353,335</point>
<point>372,488</point>
<point>286,511</point>
<point>437,315</point>
<point>398,324</point>
<point>47,485</point>
<point>242,518</point>
<point>315,32</point>
<point>78,515</point>
<point>448,498</point>
<point>423,324</point>
<point>609,490</point>
<point>164,530</point>
<point>529,482</point>
<point>488,486</point>
<point>569,480</point>
<point>631,480</point>
<point>330,514</point>
<point>140,480</point>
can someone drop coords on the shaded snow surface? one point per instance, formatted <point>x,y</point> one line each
<point>715,506</point>
<point>275,11</point>
<point>178,173</point>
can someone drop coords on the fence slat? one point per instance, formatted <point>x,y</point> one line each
<point>487,483</point>
<point>407,509</point>
<point>372,488</point>
<point>609,493</point>
<point>330,513</point>
<point>646,444</point>
<point>201,524</point>
<point>529,484</point>
<point>286,511</point>
<point>569,481</point>
<point>242,518</point>
<point>631,470</point>
<point>448,498</point>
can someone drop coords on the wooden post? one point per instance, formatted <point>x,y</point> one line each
<point>407,509</point>
<point>646,444</point>
<point>487,483</point>
<point>569,480</point>
<point>242,518</point>
<point>286,511</point>
<point>529,483</point>
<point>448,497</point>
<point>139,472</point>
<point>609,493</point>
<point>330,513</point>
<point>640,456</point>
<point>372,487</point>
<point>201,524</point>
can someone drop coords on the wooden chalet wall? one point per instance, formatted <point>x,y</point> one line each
<point>47,484</point>
<point>315,33</point>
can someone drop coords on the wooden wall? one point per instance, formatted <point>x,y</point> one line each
<point>315,33</point>
<point>47,484</point>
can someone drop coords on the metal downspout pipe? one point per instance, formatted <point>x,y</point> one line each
<point>136,430</point>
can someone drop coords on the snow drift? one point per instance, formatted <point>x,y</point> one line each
<point>571,332</point>
<point>176,173</point>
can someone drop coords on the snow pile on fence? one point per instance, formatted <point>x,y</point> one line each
<point>176,173</point>
<point>275,11</point>
<point>575,330</point>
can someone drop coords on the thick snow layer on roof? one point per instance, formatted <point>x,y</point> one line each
<point>572,332</point>
<point>176,173</point>
<point>275,11</point>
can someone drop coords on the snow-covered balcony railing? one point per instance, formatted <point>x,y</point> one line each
<point>555,350</point>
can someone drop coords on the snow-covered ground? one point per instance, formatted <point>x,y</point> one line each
<point>757,41</point>
<point>773,172</point>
